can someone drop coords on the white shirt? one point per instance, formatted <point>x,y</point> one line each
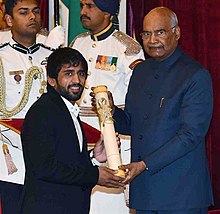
<point>74,111</point>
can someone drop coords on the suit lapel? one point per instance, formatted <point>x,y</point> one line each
<point>66,116</point>
<point>83,134</point>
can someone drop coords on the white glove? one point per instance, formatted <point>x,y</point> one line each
<point>56,37</point>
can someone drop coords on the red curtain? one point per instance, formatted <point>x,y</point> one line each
<point>44,4</point>
<point>200,37</point>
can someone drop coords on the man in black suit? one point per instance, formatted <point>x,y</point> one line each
<point>59,171</point>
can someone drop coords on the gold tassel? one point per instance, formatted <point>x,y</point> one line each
<point>9,162</point>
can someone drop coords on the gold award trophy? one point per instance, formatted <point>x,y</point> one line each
<point>108,129</point>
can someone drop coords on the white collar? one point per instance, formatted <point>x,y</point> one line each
<point>72,108</point>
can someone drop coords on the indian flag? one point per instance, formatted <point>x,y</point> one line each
<point>72,8</point>
<point>69,18</point>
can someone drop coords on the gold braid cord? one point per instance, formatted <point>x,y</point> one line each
<point>29,75</point>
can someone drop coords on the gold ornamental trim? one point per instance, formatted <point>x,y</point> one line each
<point>29,76</point>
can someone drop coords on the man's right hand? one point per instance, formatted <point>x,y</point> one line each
<point>108,178</point>
<point>110,97</point>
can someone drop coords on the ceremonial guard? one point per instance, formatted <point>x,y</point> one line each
<point>22,81</point>
<point>111,57</point>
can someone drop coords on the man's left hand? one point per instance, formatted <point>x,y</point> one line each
<point>99,149</point>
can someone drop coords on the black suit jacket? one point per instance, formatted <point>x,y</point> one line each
<point>59,177</point>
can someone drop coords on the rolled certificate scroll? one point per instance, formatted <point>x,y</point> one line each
<point>108,129</point>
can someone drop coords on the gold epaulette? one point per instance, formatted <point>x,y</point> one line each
<point>133,47</point>
<point>79,36</point>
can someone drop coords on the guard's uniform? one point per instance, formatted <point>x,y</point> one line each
<point>111,56</point>
<point>16,61</point>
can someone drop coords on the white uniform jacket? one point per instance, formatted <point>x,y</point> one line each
<point>16,61</point>
<point>111,56</point>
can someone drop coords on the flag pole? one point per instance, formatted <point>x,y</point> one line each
<point>56,13</point>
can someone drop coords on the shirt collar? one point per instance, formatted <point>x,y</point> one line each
<point>74,109</point>
<point>104,33</point>
<point>17,46</point>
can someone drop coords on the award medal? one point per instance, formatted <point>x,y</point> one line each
<point>17,78</point>
<point>17,75</point>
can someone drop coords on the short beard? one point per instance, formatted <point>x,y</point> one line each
<point>66,94</point>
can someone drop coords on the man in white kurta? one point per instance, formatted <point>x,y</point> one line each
<point>111,57</point>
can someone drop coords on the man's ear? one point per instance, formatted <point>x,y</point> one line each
<point>107,15</point>
<point>8,20</point>
<point>177,31</point>
<point>52,82</point>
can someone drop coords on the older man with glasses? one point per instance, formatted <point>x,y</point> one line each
<point>167,112</point>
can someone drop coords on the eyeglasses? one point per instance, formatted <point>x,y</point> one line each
<point>162,33</point>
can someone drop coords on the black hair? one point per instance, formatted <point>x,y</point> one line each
<point>10,4</point>
<point>63,56</point>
